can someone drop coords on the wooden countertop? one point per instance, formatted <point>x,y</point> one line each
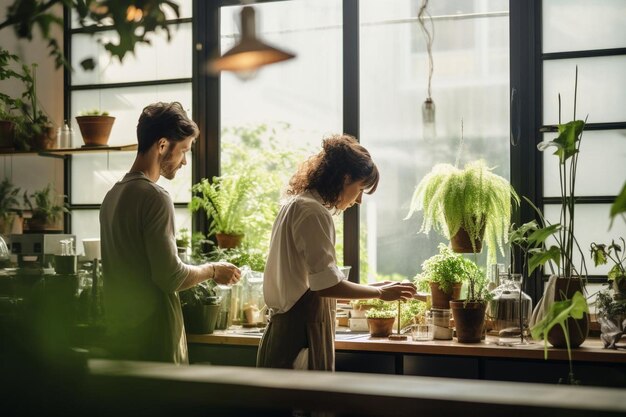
<point>592,350</point>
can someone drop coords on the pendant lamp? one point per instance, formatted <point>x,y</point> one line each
<point>249,53</point>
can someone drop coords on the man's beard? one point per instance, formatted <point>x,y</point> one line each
<point>168,170</point>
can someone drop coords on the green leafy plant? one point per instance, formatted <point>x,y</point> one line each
<point>224,200</point>
<point>200,294</point>
<point>602,254</point>
<point>473,198</point>
<point>44,207</point>
<point>183,240</point>
<point>445,269</point>
<point>618,208</point>
<point>380,313</point>
<point>240,256</point>
<point>93,112</point>
<point>35,121</point>
<point>8,199</point>
<point>558,314</point>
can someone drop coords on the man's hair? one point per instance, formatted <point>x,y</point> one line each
<point>341,156</point>
<point>164,120</point>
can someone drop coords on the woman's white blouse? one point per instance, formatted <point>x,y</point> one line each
<point>302,252</point>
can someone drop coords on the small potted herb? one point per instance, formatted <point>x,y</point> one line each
<point>445,273</point>
<point>469,314</point>
<point>380,320</point>
<point>200,307</point>
<point>602,254</point>
<point>45,211</point>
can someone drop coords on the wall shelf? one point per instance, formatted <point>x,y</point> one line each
<point>62,152</point>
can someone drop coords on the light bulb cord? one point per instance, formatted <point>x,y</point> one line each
<point>429,35</point>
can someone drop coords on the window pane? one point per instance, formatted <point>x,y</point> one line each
<point>150,62</point>
<point>606,149</point>
<point>601,86</point>
<point>271,124</point>
<point>470,83</point>
<point>185,10</point>
<point>126,105</point>
<point>86,224</point>
<point>591,225</point>
<point>94,175</point>
<point>578,25</point>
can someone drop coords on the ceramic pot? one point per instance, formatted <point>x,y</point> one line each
<point>469,320</point>
<point>95,130</point>
<point>578,330</point>
<point>380,327</point>
<point>461,242</point>
<point>226,241</point>
<point>200,319</point>
<point>440,299</point>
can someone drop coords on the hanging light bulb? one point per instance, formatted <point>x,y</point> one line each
<point>249,54</point>
<point>428,107</point>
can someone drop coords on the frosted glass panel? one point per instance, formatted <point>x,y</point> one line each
<point>150,62</point>
<point>606,149</point>
<point>577,25</point>
<point>31,173</point>
<point>94,175</point>
<point>591,225</point>
<point>126,105</point>
<point>86,224</point>
<point>601,86</point>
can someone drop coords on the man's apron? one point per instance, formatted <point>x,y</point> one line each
<point>309,324</point>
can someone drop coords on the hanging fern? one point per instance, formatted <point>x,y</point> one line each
<point>473,198</point>
<point>225,202</point>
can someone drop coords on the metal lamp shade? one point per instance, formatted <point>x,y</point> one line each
<point>249,53</point>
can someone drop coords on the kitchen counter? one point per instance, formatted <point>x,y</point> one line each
<point>591,351</point>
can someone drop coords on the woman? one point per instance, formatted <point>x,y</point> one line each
<point>301,280</point>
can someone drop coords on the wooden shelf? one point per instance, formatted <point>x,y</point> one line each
<point>62,152</point>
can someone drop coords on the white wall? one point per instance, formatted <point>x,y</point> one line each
<point>31,172</point>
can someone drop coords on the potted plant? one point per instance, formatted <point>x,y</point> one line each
<point>36,128</point>
<point>8,120</point>
<point>183,244</point>
<point>95,127</point>
<point>602,254</point>
<point>225,202</point>
<point>380,320</point>
<point>569,279</point>
<point>45,212</point>
<point>469,314</point>
<point>445,273</point>
<point>200,307</point>
<point>611,315</point>
<point>466,205</point>
<point>8,205</point>
<point>7,127</point>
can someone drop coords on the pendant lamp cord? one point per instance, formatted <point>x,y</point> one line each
<point>429,35</point>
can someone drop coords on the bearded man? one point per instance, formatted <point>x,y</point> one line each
<point>142,272</point>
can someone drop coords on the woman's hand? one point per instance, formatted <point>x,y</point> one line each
<point>225,273</point>
<point>397,291</point>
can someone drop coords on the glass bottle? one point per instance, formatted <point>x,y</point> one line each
<point>510,309</point>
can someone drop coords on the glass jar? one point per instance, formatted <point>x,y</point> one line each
<point>509,302</point>
<point>441,323</point>
<point>422,332</point>
<point>223,317</point>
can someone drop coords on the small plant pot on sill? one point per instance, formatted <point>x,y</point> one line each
<point>7,134</point>
<point>469,319</point>
<point>440,299</point>
<point>200,319</point>
<point>225,241</point>
<point>95,130</point>
<point>45,140</point>
<point>380,327</point>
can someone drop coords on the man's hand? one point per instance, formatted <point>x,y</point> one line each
<point>225,273</point>
<point>397,291</point>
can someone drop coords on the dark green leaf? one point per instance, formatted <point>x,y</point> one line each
<point>539,257</point>
<point>540,235</point>
<point>88,64</point>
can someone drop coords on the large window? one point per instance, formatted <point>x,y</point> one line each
<point>470,87</point>
<point>123,89</point>
<point>572,36</point>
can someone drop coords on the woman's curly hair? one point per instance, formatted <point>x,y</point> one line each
<point>341,156</point>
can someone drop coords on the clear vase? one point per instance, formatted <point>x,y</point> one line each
<point>509,310</point>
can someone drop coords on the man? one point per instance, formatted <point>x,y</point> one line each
<point>141,268</point>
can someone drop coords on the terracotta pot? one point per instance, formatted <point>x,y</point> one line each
<point>7,134</point>
<point>36,224</point>
<point>461,242</point>
<point>469,319</point>
<point>226,241</point>
<point>47,139</point>
<point>440,299</point>
<point>380,327</point>
<point>578,330</point>
<point>95,130</point>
